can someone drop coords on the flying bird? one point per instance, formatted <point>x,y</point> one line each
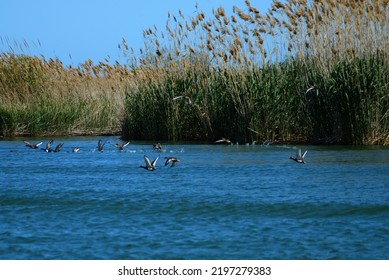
<point>183,96</point>
<point>312,88</point>
<point>48,147</point>
<point>157,146</point>
<point>120,146</point>
<point>172,160</point>
<point>58,147</point>
<point>223,141</point>
<point>100,145</point>
<point>32,146</point>
<point>150,166</point>
<point>299,157</point>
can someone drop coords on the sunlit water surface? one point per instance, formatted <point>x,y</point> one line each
<point>218,202</point>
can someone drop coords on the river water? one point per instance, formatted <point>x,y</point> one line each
<point>218,202</point>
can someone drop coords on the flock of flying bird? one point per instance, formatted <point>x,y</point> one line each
<point>149,165</point>
<point>299,155</point>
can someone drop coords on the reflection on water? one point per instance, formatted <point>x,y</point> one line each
<point>218,202</point>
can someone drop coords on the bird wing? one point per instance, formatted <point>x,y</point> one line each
<point>177,97</point>
<point>59,147</point>
<point>126,144</point>
<point>147,161</point>
<point>100,145</point>
<point>309,89</point>
<point>154,162</point>
<point>27,143</point>
<point>298,153</point>
<point>48,145</point>
<point>181,96</point>
<point>223,140</point>
<point>32,145</point>
<point>304,154</point>
<point>168,159</point>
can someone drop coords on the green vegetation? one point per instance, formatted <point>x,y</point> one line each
<point>242,76</point>
<point>41,97</point>
<point>210,78</point>
<point>350,105</point>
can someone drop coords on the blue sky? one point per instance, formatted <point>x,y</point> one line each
<point>92,29</point>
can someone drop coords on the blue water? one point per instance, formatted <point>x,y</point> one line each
<point>219,202</point>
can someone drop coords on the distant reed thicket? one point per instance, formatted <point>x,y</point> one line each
<point>40,96</point>
<point>242,75</point>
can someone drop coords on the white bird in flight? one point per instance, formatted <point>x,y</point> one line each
<point>150,166</point>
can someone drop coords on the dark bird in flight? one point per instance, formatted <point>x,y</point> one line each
<point>32,146</point>
<point>172,160</point>
<point>120,146</point>
<point>48,147</point>
<point>100,145</point>
<point>157,146</point>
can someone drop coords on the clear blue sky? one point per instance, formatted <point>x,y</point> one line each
<point>92,28</point>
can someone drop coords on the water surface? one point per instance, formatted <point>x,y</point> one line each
<point>219,202</point>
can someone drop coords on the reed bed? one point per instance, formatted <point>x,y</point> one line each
<point>43,97</point>
<point>240,74</point>
<point>244,76</point>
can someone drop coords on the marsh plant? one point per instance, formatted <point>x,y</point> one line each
<point>244,75</point>
<point>240,74</point>
<point>42,97</point>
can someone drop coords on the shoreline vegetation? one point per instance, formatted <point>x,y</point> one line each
<point>304,72</point>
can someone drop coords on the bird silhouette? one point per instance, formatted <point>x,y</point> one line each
<point>172,160</point>
<point>100,145</point>
<point>48,147</point>
<point>32,146</point>
<point>120,146</point>
<point>58,148</point>
<point>157,146</point>
<point>299,157</point>
<point>223,141</point>
<point>150,166</point>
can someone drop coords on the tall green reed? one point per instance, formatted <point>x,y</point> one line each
<point>235,83</point>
